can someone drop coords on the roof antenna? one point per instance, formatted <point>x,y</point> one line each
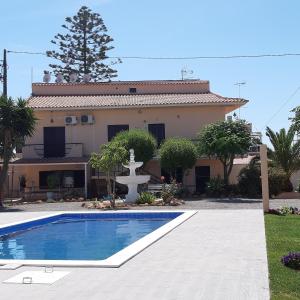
<point>185,72</point>
<point>239,84</point>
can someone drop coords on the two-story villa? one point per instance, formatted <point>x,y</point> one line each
<point>74,119</point>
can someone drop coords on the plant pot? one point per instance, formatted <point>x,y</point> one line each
<point>50,197</point>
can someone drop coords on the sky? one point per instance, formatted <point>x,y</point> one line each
<point>173,28</point>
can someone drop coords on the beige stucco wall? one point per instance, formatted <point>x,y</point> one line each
<point>179,121</point>
<point>120,88</point>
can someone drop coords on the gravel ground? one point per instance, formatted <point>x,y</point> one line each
<point>189,204</point>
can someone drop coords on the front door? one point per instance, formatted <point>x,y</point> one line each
<point>54,141</point>
<point>202,175</point>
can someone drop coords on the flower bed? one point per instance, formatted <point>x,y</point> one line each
<point>292,260</point>
<point>284,211</point>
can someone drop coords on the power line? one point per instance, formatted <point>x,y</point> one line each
<point>207,57</point>
<point>283,105</point>
<point>178,57</point>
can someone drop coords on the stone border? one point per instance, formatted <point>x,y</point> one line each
<point>118,258</point>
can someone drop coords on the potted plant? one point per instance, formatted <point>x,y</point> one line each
<point>52,182</point>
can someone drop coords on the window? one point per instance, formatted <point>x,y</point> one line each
<point>132,90</point>
<point>158,131</point>
<point>169,176</point>
<point>113,130</point>
<point>76,175</point>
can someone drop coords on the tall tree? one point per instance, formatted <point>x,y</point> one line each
<point>82,50</point>
<point>17,121</point>
<point>296,119</point>
<point>224,140</point>
<point>286,153</point>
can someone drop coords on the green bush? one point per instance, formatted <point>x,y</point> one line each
<point>216,187</point>
<point>277,180</point>
<point>177,153</point>
<point>249,181</point>
<point>182,191</point>
<point>145,197</point>
<point>53,181</point>
<point>169,191</point>
<point>143,143</point>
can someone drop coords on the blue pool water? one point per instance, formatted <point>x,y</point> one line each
<point>78,236</point>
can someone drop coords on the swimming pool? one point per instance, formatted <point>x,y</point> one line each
<point>105,239</point>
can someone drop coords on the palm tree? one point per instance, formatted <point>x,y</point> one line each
<point>286,153</point>
<point>17,121</point>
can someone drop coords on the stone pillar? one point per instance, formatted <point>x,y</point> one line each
<point>264,176</point>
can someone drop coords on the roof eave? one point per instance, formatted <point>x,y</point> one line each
<point>236,104</point>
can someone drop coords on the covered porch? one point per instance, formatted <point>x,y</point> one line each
<point>27,178</point>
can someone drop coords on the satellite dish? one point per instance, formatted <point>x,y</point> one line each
<point>47,77</point>
<point>73,77</point>
<point>86,78</point>
<point>59,78</point>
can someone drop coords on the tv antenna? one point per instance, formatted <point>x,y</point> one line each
<point>185,72</point>
<point>239,84</point>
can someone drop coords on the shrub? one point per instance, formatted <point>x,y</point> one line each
<point>249,182</point>
<point>169,191</point>
<point>292,260</point>
<point>145,197</point>
<point>182,191</point>
<point>178,153</point>
<point>53,181</point>
<point>276,181</point>
<point>216,187</point>
<point>143,143</point>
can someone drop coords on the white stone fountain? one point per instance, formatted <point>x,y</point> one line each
<point>132,180</point>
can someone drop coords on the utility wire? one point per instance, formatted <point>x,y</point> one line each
<point>283,105</point>
<point>179,57</point>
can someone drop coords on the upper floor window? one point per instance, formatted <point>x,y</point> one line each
<point>113,130</point>
<point>158,131</point>
<point>132,90</point>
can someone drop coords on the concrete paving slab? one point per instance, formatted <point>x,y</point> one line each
<point>217,254</point>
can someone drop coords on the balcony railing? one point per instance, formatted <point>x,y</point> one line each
<point>37,150</point>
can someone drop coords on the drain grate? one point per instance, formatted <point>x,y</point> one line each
<point>37,277</point>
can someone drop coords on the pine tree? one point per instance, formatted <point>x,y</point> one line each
<point>82,50</point>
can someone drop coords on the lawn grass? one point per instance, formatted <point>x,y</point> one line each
<point>283,236</point>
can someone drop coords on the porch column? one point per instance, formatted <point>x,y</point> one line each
<point>85,181</point>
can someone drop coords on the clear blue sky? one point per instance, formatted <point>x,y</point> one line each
<point>175,28</point>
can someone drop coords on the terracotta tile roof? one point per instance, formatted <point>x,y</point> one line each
<point>125,101</point>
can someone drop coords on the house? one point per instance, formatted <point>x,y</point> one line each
<point>74,119</point>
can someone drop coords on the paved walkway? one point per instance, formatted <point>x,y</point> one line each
<point>189,204</point>
<point>217,254</point>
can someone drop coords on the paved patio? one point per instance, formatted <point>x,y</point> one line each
<point>217,254</point>
<point>234,203</point>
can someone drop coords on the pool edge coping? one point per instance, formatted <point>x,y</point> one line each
<point>117,259</point>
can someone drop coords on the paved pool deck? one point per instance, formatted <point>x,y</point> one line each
<point>216,254</point>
